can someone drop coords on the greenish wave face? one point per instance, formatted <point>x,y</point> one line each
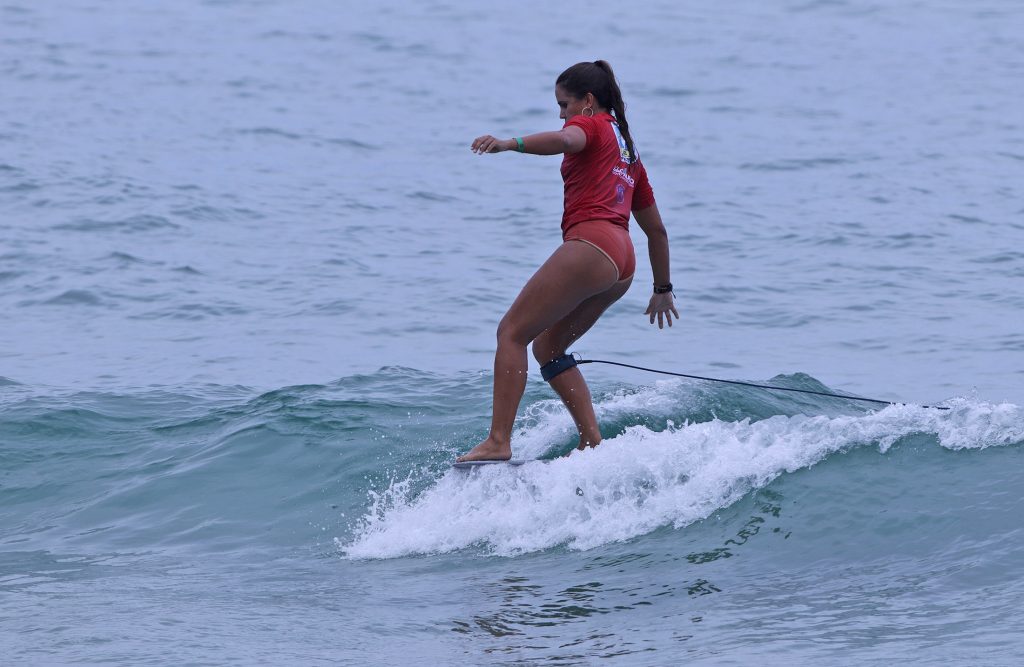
<point>340,499</point>
<point>364,463</point>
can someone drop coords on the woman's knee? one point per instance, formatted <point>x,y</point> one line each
<point>547,347</point>
<point>509,334</point>
<point>541,348</point>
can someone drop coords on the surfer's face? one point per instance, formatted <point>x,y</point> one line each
<point>568,104</point>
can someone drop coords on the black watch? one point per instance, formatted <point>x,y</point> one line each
<point>662,289</point>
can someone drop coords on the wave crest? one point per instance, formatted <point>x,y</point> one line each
<point>643,479</point>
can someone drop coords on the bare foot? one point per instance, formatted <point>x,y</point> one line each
<point>488,450</point>
<point>584,444</point>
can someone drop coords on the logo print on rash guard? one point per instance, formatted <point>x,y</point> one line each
<point>624,175</point>
<point>623,151</point>
<point>620,193</point>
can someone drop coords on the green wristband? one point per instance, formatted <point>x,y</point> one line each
<point>520,146</point>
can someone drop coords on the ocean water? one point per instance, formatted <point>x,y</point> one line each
<point>250,274</point>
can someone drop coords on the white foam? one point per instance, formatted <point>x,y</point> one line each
<point>643,479</point>
<point>547,423</point>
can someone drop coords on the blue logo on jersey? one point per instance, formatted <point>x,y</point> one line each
<point>623,150</point>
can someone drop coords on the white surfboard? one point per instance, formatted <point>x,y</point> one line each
<point>477,464</point>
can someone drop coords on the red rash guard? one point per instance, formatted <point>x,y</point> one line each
<point>600,183</point>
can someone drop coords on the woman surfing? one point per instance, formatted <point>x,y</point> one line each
<point>604,182</point>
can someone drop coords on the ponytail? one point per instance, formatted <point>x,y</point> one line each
<point>618,106</point>
<point>597,78</point>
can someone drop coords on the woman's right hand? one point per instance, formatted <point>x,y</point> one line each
<point>489,144</point>
<point>662,306</point>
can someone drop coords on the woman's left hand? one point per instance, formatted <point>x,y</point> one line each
<point>489,144</point>
<point>662,306</point>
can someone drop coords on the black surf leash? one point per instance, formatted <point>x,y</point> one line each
<point>752,384</point>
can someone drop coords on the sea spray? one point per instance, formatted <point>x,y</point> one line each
<point>644,479</point>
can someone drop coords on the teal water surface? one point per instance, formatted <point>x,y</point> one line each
<point>250,274</point>
<point>324,523</point>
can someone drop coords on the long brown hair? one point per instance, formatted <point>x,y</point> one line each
<point>597,78</point>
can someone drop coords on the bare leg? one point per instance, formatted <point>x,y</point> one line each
<point>575,272</point>
<point>570,385</point>
<point>574,392</point>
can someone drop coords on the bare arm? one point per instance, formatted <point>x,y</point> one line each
<point>661,305</point>
<point>569,139</point>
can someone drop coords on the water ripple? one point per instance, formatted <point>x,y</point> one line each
<point>130,225</point>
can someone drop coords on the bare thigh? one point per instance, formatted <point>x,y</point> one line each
<point>574,273</point>
<point>557,338</point>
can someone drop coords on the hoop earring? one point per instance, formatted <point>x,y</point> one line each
<point>590,109</point>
